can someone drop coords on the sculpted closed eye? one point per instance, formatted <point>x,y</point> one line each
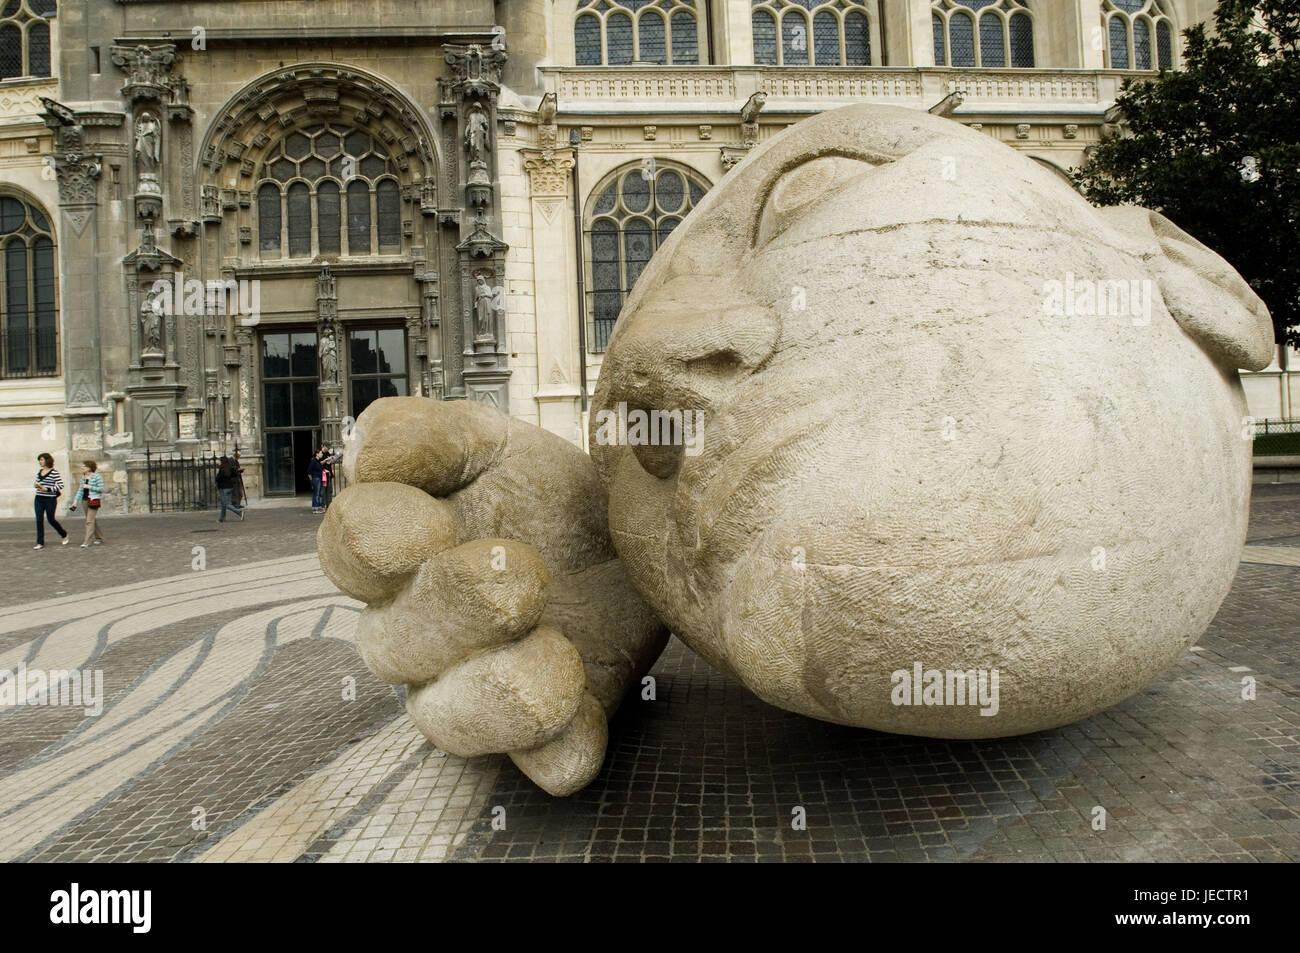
<point>802,187</point>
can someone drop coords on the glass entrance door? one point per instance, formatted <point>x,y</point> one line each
<point>290,409</point>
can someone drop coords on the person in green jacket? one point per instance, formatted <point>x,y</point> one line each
<point>92,489</point>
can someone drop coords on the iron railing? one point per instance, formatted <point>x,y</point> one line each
<point>178,483</point>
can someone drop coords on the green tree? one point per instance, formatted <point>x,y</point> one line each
<point>1215,146</point>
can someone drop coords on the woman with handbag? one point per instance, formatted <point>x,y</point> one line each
<point>92,488</point>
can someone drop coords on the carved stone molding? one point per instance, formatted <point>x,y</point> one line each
<point>548,170</point>
<point>147,68</point>
<point>259,114</point>
<point>730,156</point>
<point>477,70</point>
<point>482,244</point>
<point>78,177</point>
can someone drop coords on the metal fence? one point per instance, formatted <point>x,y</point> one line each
<point>1272,426</point>
<point>1276,437</point>
<point>178,483</point>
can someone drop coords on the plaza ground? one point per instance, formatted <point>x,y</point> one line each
<point>239,724</point>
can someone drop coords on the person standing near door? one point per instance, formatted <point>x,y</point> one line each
<point>316,473</point>
<point>48,487</point>
<point>92,488</point>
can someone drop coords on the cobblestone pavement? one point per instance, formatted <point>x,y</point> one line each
<point>138,548</point>
<point>239,724</point>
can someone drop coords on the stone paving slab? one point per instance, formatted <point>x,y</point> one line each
<point>238,724</point>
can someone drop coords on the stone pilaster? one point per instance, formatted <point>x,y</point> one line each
<point>554,279</point>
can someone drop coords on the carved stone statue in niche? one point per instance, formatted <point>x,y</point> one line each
<point>477,140</point>
<point>147,142</point>
<point>151,317</point>
<point>488,302</point>
<point>329,359</point>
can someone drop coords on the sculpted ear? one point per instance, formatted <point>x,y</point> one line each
<point>1207,298</point>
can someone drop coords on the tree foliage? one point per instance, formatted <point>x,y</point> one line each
<point>1215,146</point>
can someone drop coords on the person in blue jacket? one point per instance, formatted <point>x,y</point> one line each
<point>92,491</point>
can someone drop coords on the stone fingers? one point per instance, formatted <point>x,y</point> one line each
<point>435,445</point>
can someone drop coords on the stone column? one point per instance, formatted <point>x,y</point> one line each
<point>469,100</point>
<point>555,282</point>
<point>329,351</point>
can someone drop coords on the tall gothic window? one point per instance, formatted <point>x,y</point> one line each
<point>321,183</point>
<point>812,32</point>
<point>618,32</point>
<point>988,33</point>
<point>1139,34</point>
<point>630,215</point>
<point>29,346</point>
<point>25,37</point>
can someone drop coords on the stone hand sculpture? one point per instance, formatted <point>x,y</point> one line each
<point>953,418</point>
<point>481,545</point>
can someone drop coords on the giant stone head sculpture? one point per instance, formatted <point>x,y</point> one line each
<point>921,443</point>
<point>953,419</point>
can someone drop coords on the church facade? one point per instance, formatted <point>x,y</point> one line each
<point>230,225</point>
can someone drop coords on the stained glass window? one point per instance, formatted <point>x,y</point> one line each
<point>358,218</point>
<point>1022,41</point>
<point>1004,25</point>
<point>764,26</point>
<point>328,219</point>
<point>11,51</point>
<point>651,46</point>
<point>1164,44</point>
<point>794,39</point>
<point>389,212</point>
<point>1141,44</point>
<point>618,39</point>
<point>840,33</point>
<point>991,35</point>
<point>1129,25</point>
<point>28,278</point>
<point>25,38</point>
<point>857,39</point>
<point>961,39</point>
<point>686,45</point>
<point>306,176</point>
<point>1118,43</point>
<point>268,220</point>
<point>299,210</point>
<point>586,40</point>
<point>630,215</point>
<point>659,31</point>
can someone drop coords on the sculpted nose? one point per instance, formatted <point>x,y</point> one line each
<point>676,359</point>
<point>675,356</point>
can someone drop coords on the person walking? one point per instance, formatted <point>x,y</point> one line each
<point>92,488</point>
<point>316,473</point>
<point>227,479</point>
<point>239,497</point>
<point>48,487</point>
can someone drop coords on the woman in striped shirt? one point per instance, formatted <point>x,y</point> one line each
<point>48,487</point>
